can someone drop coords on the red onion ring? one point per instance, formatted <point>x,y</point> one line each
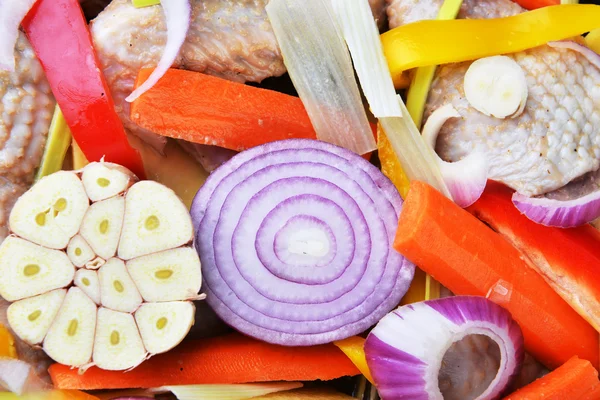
<point>295,239</point>
<point>405,350</point>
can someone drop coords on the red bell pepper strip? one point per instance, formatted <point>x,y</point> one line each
<point>59,34</point>
<point>533,4</point>
<point>569,259</point>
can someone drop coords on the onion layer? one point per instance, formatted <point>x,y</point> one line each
<point>12,13</point>
<point>406,348</point>
<point>177,16</point>
<point>465,179</point>
<point>295,238</point>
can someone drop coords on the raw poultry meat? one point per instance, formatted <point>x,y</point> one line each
<point>26,107</point>
<point>402,12</point>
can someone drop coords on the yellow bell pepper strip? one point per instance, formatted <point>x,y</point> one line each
<point>59,35</point>
<point>592,40</point>
<point>78,158</point>
<point>354,348</point>
<point>440,42</point>
<point>390,166</point>
<point>145,3</point>
<point>7,344</point>
<point>419,89</point>
<point>57,145</point>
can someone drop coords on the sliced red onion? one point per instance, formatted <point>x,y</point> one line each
<point>12,13</point>
<point>177,16</point>
<point>295,239</point>
<point>414,352</point>
<point>560,213</point>
<point>466,179</point>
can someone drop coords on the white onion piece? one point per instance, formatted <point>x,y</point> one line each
<point>406,348</point>
<point>12,13</point>
<point>560,213</point>
<point>465,179</point>
<point>177,16</point>
<point>295,242</point>
<point>496,86</point>
<point>362,36</point>
<point>19,376</point>
<point>318,62</point>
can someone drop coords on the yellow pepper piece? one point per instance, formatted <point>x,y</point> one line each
<point>50,395</point>
<point>593,40</point>
<point>7,343</point>
<point>79,160</point>
<point>390,166</point>
<point>57,145</point>
<point>419,90</point>
<point>439,42</point>
<point>354,348</point>
<point>145,3</point>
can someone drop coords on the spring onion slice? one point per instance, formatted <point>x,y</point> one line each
<point>144,3</point>
<point>416,158</point>
<point>320,67</point>
<point>362,36</point>
<point>419,89</point>
<point>57,145</point>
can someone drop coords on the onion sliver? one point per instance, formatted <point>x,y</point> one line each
<point>560,213</point>
<point>295,240</point>
<point>406,348</point>
<point>177,16</point>
<point>12,13</point>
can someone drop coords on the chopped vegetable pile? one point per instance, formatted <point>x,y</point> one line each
<point>299,199</point>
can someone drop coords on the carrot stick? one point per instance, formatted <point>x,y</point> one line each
<point>221,360</point>
<point>573,381</point>
<point>470,259</point>
<point>208,110</point>
<point>569,259</point>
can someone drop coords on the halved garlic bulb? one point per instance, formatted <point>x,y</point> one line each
<point>99,268</point>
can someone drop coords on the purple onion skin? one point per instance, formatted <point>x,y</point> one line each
<point>559,213</point>
<point>252,212</point>
<point>398,374</point>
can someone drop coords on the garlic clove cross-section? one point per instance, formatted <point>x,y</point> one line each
<point>154,221</point>
<point>70,339</point>
<point>118,344</point>
<point>100,268</point>
<point>50,213</point>
<point>31,318</point>
<point>167,276</point>
<point>27,269</point>
<point>164,325</point>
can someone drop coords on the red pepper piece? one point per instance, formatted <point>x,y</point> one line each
<point>533,4</point>
<point>59,34</point>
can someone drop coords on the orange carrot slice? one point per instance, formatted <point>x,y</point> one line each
<point>227,359</point>
<point>569,259</point>
<point>470,259</point>
<point>208,110</point>
<point>574,380</point>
